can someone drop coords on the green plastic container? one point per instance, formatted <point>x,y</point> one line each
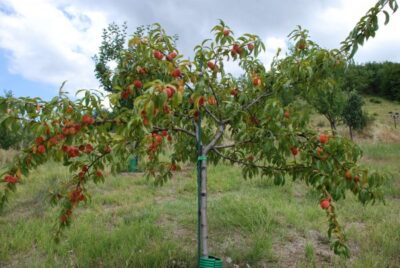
<point>133,163</point>
<point>210,262</point>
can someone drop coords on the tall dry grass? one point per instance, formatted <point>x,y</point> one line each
<point>6,156</point>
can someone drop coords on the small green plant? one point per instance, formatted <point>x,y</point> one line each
<point>310,255</point>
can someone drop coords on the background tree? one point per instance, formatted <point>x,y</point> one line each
<point>10,138</point>
<point>379,79</point>
<point>353,115</point>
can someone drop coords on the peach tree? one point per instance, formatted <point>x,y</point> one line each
<point>169,110</point>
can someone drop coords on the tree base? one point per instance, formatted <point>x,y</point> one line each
<point>210,262</point>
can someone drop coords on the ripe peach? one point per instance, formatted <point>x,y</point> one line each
<point>323,138</point>
<point>158,55</point>
<point>325,203</point>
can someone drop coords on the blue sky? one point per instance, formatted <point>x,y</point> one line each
<point>20,86</point>
<point>44,42</point>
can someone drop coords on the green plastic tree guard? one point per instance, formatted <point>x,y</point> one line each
<point>133,163</point>
<point>210,262</point>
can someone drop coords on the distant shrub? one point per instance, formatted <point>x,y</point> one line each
<point>373,100</point>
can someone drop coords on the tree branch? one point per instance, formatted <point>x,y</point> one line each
<point>266,94</point>
<point>216,119</point>
<point>223,146</point>
<point>242,162</point>
<point>217,136</point>
<point>188,132</point>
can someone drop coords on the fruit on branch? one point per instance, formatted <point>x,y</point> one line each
<point>320,153</point>
<point>141,70</point>
<point>250,46</point>
<point>348,175</point>
<point>211,65</point>
<point>172,167</point>
<point>323,138</point>
<point>71,128</point>
<point>41,149</point>
<point>234,92</point>
<point>39,140</point>
<point>164,133</point>
<point>87,119</point>
<point>176,73</point>
<point>107,149</point>
<point>294,151</point>
<point>69,109</point>
<point>226,31</point>
<point>201,101</point>
<point>286,114</point>
<point>158,55</point>
<point>356,178</point>
<point>169,138</point>
<point>196,115</point>
<point>99,173</point>
<point>11,179</point>
<point>301,45</point>
<point>169,91</point>
<point>126,93</point>
<point>236,49</point>
<point>76,196</point>
<point>53,140</point>
<point>88,148</point>
<point>85,168</point>
<point>212,100</point>
<point>71,151</point>
<point>256,81</point>
<point>172,55</point>
<point>138,84</point>
<point>81,174</point>
<point>325,203</point>
<point>158,139</point>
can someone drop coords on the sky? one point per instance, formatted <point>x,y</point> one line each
<point>45,42</point>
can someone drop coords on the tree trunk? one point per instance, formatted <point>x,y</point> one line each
<point>333,126</point>
<point>351,132</point>
<point>203,209</point>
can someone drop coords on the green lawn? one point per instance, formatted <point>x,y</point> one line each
<point>131,223</point>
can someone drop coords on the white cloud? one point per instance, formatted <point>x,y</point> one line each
<point>334,23</point>
<point>51,43</point>
<point>272,44</point>
<point>53,40</point>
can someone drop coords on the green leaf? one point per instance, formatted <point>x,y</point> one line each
<point>386,16</point>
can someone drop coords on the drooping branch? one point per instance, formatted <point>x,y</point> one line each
<point>242,162</point>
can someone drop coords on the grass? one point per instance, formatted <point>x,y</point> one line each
<point>132,223</point>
